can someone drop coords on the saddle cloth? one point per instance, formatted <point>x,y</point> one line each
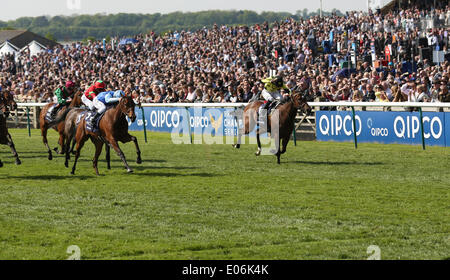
<point>88,115</point>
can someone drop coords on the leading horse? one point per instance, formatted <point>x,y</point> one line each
<point>58,123</point>
<point>7,104</point>
<point>287,110</point>
<point>113,127</point>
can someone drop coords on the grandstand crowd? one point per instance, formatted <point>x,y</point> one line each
<point>227,64</point>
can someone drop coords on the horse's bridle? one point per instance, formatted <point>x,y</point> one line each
<point>125,110</point>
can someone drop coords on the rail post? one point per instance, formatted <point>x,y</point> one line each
<point>188,122</point>
<point>28,121</point>
<point>354,127</point>
<point>421,127</point>
<point>295,137</point>
<point>144,124</point>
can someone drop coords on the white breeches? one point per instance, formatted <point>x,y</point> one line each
<point>87,102</point>
<point>271,96</point>
<point>99,106</point>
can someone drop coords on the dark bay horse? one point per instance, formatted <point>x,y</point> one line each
<point>58,123</point>
<point>113,127</point>
<point>7,104</point>
<point>286,120</point>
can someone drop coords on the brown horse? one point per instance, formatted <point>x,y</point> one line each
<point>113,127</point>
<point>57,124</point>
<point>7,104</point>
<point>286,121</point>
<point>70,129</point>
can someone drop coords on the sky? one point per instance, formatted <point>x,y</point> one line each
<point>13,9</point>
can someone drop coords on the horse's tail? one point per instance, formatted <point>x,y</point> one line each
<point>60,118</point>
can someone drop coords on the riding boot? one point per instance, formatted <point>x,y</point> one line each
<point>53,112</point>
<point>263,113</point>
<point>93,121</point>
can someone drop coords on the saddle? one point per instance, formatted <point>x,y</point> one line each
<point>272,106</point>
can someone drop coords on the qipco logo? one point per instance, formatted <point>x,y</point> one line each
<point>336,125</point>
<point>409,127</point>
<point>159,118</point>
<point>383,132</point>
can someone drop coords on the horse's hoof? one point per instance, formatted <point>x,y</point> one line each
<point>258,153</point>
<point>18,162</point>
<point>72,173</point>
<point>139,161</point>
<point>50,157</point>
<point>129,170</point>
<point>237,146</point>
<point>66,164</point>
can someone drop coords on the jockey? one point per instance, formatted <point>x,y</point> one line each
<point>103,98</point>
<point>271,92</point>
<point>63,97</point>
<point>91,93</point>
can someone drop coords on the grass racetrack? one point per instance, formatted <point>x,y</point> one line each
<point>325,201</point>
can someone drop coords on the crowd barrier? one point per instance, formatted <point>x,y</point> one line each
<point>426,128</point>
<point>413,128</point>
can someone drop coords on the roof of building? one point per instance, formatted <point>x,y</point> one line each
<point>21,38</point>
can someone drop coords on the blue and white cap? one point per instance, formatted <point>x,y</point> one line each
<point>119,92</point>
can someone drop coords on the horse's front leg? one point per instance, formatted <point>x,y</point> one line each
<point>44,130</point>
<point>258,141</point>
<point>13,149</point>
<point>138,151</point>
<point>129,138</point>
<point>108,156</point>
<point>98,150</point>
<point>119,152</point>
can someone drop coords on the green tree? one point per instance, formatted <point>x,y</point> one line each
<point>40,21</point>
<point>50,36</point>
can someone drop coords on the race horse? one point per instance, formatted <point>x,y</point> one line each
<point>57,124</point>
<point>112,128</point>
<point>7,104</point>
<point>287,110</point>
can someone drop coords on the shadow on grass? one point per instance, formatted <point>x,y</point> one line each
<point>52,177</point>
<point>170,174</point>
<point>141,167</point>
<point>337,163</point>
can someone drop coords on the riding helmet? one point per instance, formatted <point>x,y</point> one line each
<point>70,84</point>
<point>99,84</point>
<point>278,81</point>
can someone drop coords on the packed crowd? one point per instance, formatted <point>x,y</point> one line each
<point>227,64</point>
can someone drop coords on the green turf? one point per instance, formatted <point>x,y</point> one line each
<point>325,201</point>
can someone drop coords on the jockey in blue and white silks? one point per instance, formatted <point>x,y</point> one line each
<point>104,98</point>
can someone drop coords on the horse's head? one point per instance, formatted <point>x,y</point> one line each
<point>300,102</point>
<point>76,100</point>
<point>127,106</point>
<point>7,100</point>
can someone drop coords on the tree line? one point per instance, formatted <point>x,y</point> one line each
<point>78,27</point>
